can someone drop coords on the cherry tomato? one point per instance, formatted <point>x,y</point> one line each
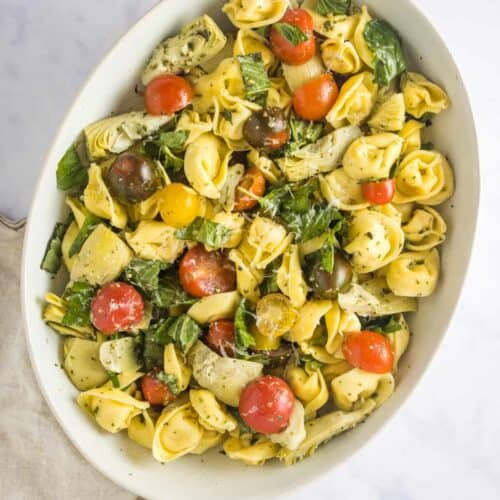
<point>369,351</point>
<point>167,94</point>
<point>315,98</point>
<point>379,193</point>
<point>116,307</point>
<point>154,390</point>
<point>267,129</point>
<point>254,182</point>
<point>266,404</point>
<point>285,50</point>
<point>179,205</point>
<point>203,273</point>
<point>220,337</point>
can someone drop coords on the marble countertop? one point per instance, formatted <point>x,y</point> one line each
<point>445,441</point>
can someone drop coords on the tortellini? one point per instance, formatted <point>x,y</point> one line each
<point>424,230</point>
<point>215,307</point>
<point>424,176</point>
<point>248,42</point>
<point>102,258</point>
<point>175,364</point>
<point>372,157</point>
<point>422,96</point>
<point>308,318</point>
<point>235,224</point>
<point>390,115</point>
<point>248,278</point>
<point>414,274</point>
<point>147,209</point>
<point>412,136</point>
<point>141,429</point>
<point>197,42</point>
<point>339,322</point>
<point>211,414</point>
<point>295,433</point>
<point>118,133</point>
<point>362,48</point>
<point>352,389</point>
<point>119,355</point>
<point>99,201</point>
<point>206,165</point>
<point>268,168</point>
<point>195,124</point>
<point>340,56</point>
<point>340,190</point>
<point>373,240</point>
<point>355,101</point>
<point>399,340</point>
<point>154,240</point>
<point>290,278</point>
<point>249,450</point>
<point>255,13</point>
<point>277,95</point>
<point>177,432</point>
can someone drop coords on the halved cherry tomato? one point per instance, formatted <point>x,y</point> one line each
<point>315,98</point>
<point>285,50</point>
<point>254,182</point>
<point>167,94</point>
<point>266,404</point>
<point>379,193</point>
<point>220,337</point>
<point>179,205</point>
<point>116,307</point>
<point>154,390</point>
<point>369,351</point>
<point>203,273</point>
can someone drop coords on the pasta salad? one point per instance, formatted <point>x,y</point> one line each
<point>239,255</point>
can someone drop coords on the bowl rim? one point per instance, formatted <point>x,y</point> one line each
<point>123,480</point>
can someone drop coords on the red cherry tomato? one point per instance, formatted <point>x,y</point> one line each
<point>116,307</point>
<point>220,337</point>
<point>167,94</point>
<point>285,50</point>
<point>266,404</point>
<point>369,351</point>
<point>203,273</point>
<point>254,182</point>
<point>154,390</point>
<point>379,193</point>
<point>316,98</point>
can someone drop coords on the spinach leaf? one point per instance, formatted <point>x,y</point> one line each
<point>383,324</point>
<point>205,231</point>
<point>170,293</point>
<point>78,298</point>
<point>302,133</point>
<point>181,330</point>
<point>152,352</point>
<point>325,7</point>
<point>310,363</point>
<point>89,224</point>
<point>243,338</point>
<point>71,174</point>
<point>270,283</point>
<point>255,77</point>
<point>385,44</point>
<point>170,380</point>
<point>271,202</point>
<point>291,33</point>
<point>167,148</point>
<point>144,274</point>
<point>300,199</point>
<point>51,261</point>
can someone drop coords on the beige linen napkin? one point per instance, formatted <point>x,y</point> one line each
<point>37,461</point>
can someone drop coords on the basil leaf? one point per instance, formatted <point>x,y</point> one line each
<point>78,299</point>
<point>327,254</point>
<point>170,293</point>
<point>144,274</point>
<point>152,352</point>
<point>385,44</point>
<point>183,332</point>
<point>89,224</point>
<point>70,172</point>
<point>300,199</point>
<point>302,133</point>
<point>166,148</point>
<point>51,261</point>
<point>114,379</point>
<point>310,363</point>
<point>291,33</point>
<point>205,231</point>
<point>170,381</point>
<point>271,202</point>
<point>255,77</point>
<point>383,324</point>
<point>174,140</point>
<point>325,7</point>
<point>243,338</point>
<point>270,283</point>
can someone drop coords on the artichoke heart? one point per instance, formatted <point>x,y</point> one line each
<point>197,42</point>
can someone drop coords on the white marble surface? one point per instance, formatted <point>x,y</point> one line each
<point>445,442</point>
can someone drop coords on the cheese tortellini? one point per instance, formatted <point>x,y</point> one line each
<point>390,115</point>
<point>255,13</point>
<point>248,42</point>
<point>412,136</point>
<point>422,96</point>
<point>309,386</point>
<point>340,56</point>
<point>425,229</point>
<point>290,278</point>
<point>340,190</point>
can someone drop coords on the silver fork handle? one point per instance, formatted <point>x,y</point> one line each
<point>16,225</point>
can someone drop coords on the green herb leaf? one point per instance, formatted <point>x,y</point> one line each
<point>337,7</point>
<point>270,283</point>
<point>144,274</point>
<point>114,379</point>
<point>291,32</point>
<point>310,363</point>
<point>327,253</point>
<point>152,352</point>
<point>228,116</point>
<point>174,140</point>
<point>385,44</point>
<point>51,261</point>
<point>78,298</point>
<point>271,202</point>
<point>71,174</point>
<point>302,133</point>
<point>167,148</point>
<point>170,380</point>
<point>89,224</point>
<point>170,293</point>
<point>428,146</point>
<point>243,427</point>
<point>300,199</point>
<point>205,231</point>
<point>243,338</point>
<point>255,77</point>
<point>181,330</point>
<point>383,324</point>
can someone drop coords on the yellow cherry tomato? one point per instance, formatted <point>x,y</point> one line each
<point>275,315</point>
<point>179,205</point>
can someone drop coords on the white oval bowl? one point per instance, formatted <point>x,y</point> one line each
<point>110,89</point>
